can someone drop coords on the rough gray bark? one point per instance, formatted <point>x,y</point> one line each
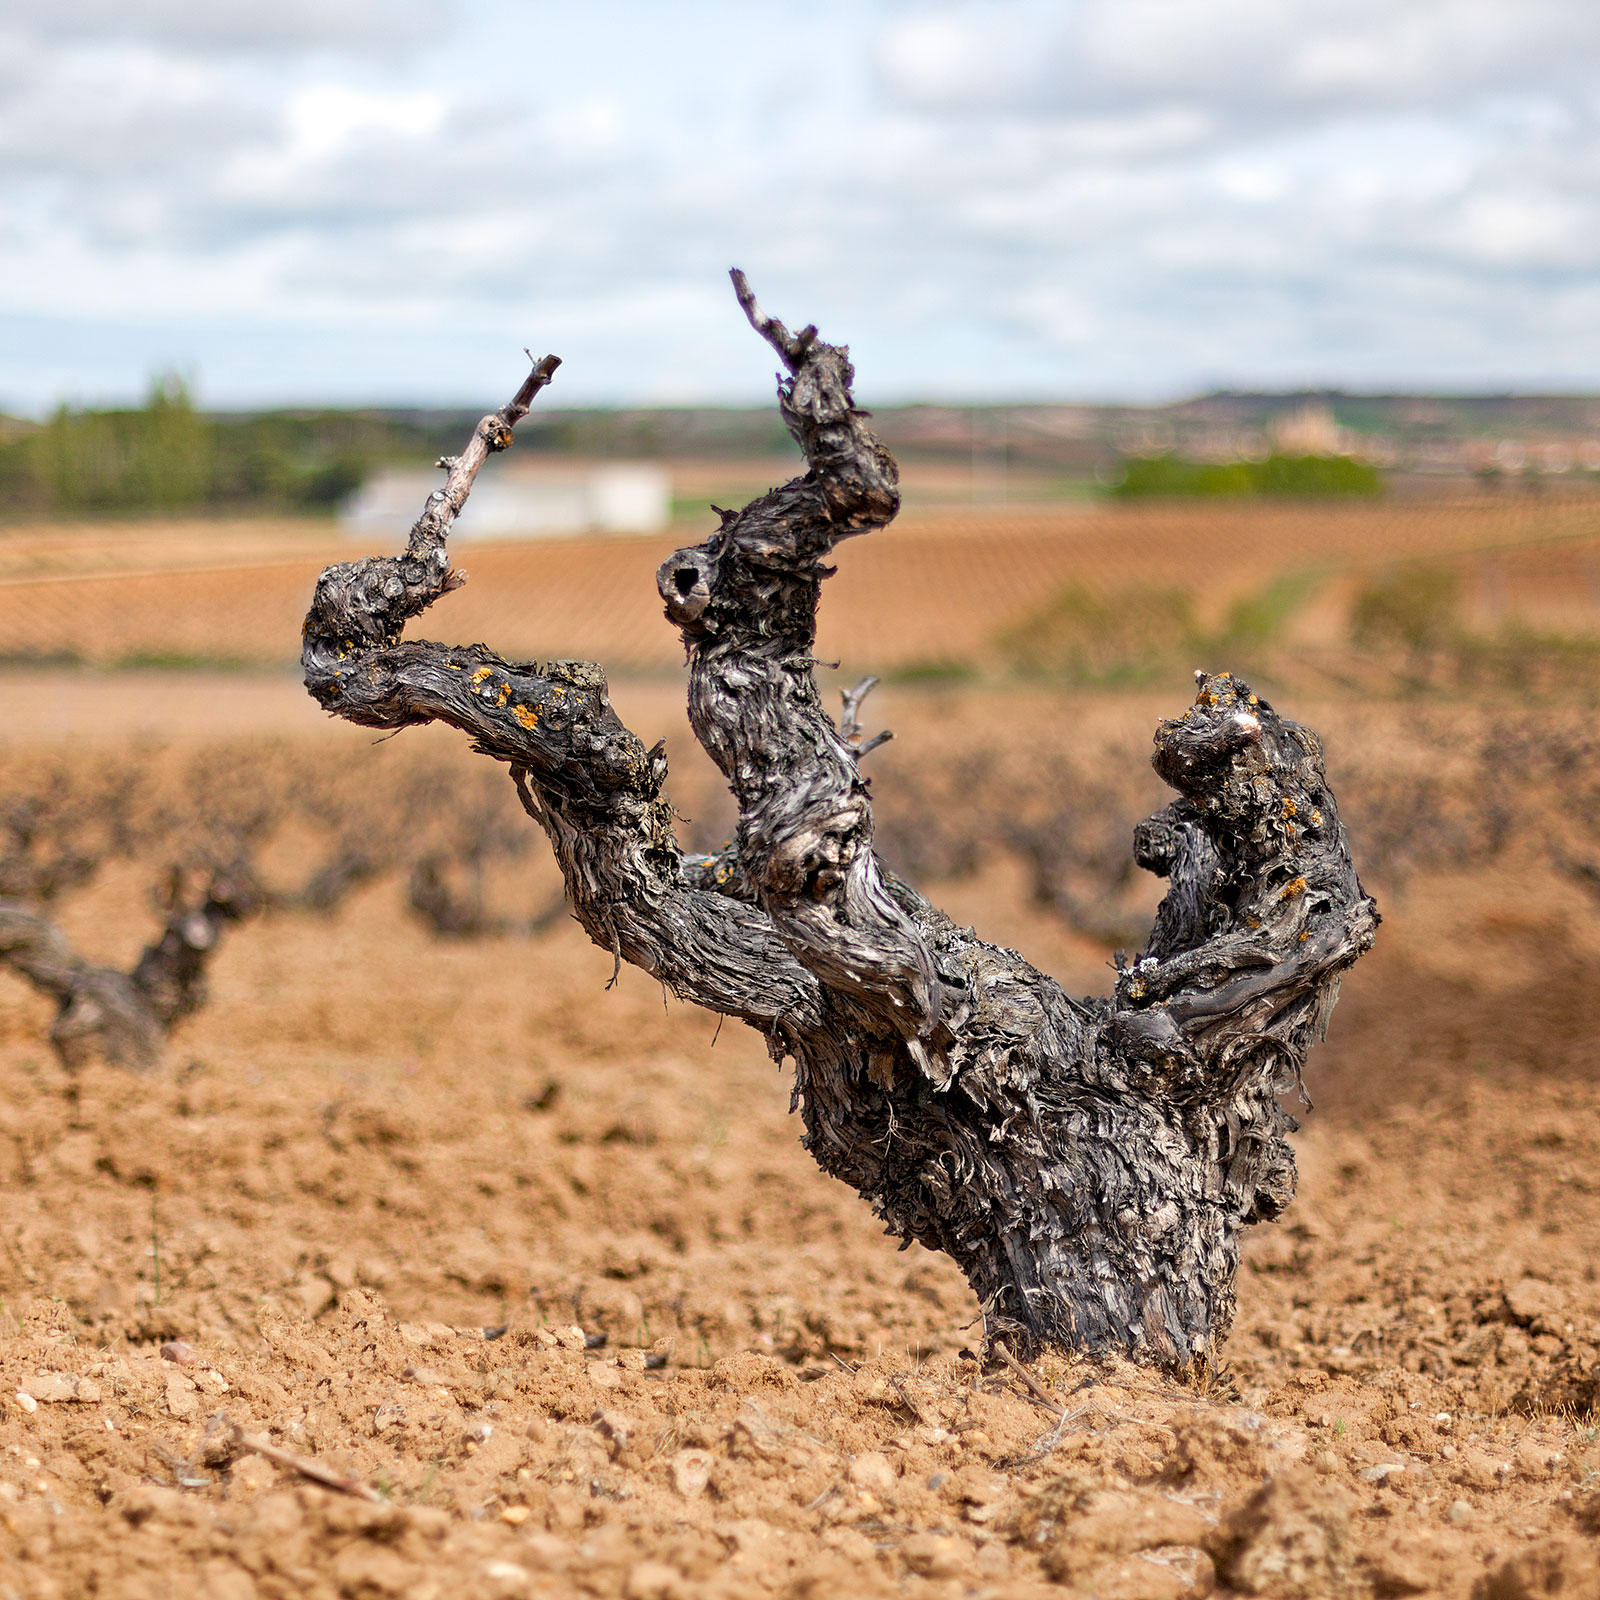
<point>1090,1164</point>
<point>126,1016</point>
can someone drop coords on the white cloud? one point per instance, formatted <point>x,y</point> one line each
<point>1237,56</point>
<point>1019,196</point>
<point>236,24</point>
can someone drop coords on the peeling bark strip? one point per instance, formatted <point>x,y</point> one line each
<point>1089,1163</point>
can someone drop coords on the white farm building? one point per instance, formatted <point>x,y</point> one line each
<point>512,503</point>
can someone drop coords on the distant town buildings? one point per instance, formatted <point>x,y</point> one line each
<point>521,503</point>
<point>1308,430</point>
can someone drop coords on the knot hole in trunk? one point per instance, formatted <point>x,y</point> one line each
<point>684,580</point>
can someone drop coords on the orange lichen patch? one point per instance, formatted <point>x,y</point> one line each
<point>526,715</point>
<point>505,694</point>
<point>455,666</point>
<point>481,674</point>
<point>1219,691</point>
<point>1292,888</point>
<point>1290,809</point>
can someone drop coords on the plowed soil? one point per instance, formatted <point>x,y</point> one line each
<point>937,588</point>
<point>435,1269</point>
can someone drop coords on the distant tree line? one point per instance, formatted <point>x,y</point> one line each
<point>167,456</point>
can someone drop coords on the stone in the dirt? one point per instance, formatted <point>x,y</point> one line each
<point>650,1580</point>
<point>368,1568</point>
<point>936,1555</point>
<point>180,1351</point>
<point>502,1580</point>
<point>181,1397</point>
<point>572,1338</point>
<point>992,1561</point>
<point>690,1471</point>
<point>873,1471</point>
<point>251,1473</point>
<point>1531,1298</point>
<point>1555,1569</point>
<point>1162,1574</point>
<point>1107,1526</point>
<point>429,1377</point>
<point>51,1388</point>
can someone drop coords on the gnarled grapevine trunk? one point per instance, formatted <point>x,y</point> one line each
<point>1090,1164</point>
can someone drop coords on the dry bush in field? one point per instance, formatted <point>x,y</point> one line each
<point>1066,819</point>
<point>202,826</point>
<point>125,1016</point>
<point>1446,790</point>
<point>1089,1164</point>
<point>59,831</point>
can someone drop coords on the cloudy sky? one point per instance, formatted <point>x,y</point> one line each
<point>384,200</point>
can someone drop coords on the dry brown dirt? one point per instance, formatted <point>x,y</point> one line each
<point>938,587</point>
<point>540,1272</point>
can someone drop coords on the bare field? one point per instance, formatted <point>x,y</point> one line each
<point>536,1277</point>
<point>937,587</point>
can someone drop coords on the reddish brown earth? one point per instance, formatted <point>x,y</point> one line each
<point>938,587</point>
<point>709,1374</point>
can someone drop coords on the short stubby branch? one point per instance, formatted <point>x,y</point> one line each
<point>359,604</point>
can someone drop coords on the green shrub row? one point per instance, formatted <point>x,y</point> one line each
<point>1277,477</point>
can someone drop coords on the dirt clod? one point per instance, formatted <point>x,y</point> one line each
<point>1554,1569</point>
<point>1290,1540</point>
